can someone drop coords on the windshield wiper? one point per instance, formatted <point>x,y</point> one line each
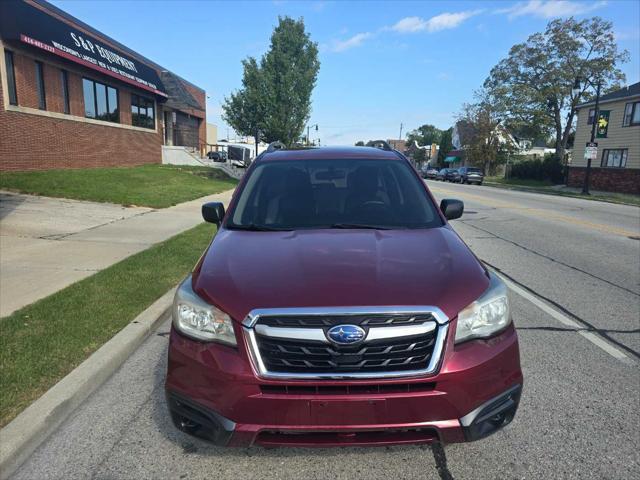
<point>359,225</point>
<point>252,227</point>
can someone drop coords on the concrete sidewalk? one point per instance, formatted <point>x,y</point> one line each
<point>47,244</point>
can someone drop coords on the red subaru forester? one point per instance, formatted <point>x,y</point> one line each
<point>336,306</point>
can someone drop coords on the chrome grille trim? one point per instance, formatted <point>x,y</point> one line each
<point>441,324</point>
<point>317,334</point>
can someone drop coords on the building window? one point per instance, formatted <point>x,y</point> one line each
<point>142,113</point>
<point>592,113</point>
<point>631,114</point>
<point>614,158</point>
<point>100,101</point>
<point>11,77</point>
<point>42,99</point>
<point>64,80</point>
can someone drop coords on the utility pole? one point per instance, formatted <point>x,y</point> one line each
<point>400,137</point>
<point>587,175</point>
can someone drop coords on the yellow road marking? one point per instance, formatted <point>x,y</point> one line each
<point>541,213</point>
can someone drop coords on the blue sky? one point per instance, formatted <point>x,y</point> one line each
<point>382,63</point>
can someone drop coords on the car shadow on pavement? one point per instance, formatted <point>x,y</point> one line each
<point>190,445</point>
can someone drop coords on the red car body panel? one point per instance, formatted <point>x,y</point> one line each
<point>242,271</point>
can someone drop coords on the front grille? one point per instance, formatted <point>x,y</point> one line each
<point>393,354</point>
<point>293,343</point>
<point>320,321</point>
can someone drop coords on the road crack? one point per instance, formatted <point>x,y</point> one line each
<point>551,259</point>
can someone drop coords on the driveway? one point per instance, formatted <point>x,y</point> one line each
<point>47,244</point>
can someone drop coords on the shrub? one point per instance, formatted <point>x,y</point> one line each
<point>548,169</point>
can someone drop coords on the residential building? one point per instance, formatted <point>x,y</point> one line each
<point>617,167</point>
<point>72,97</point>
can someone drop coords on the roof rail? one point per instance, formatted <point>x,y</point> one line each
<point>381,144</point>
<point>274,146</point>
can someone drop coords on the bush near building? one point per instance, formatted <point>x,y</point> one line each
<point>548,168</point>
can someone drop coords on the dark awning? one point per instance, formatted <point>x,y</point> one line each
<point>26,23</point>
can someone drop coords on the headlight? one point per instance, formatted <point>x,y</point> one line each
<point>197,319</point>
<point>487,315</point>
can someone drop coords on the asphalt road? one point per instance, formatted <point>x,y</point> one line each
<point>579,416</point>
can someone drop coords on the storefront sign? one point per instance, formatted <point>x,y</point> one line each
<point>27,23</point>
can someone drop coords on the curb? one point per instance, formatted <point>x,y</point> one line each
<point>29,429</point>
<point>521,188</point>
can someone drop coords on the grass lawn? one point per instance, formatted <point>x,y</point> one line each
<point>520,182</point>
<point>544,186</point>
<point>44,341</point>
<point>156,186</point>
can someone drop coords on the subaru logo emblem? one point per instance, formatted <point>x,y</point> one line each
<point>346,334</point>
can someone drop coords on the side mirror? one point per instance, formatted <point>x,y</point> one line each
<point>213,212</point>
<point>451,208</point>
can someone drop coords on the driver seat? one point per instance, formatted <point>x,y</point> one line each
<point>363,187</point>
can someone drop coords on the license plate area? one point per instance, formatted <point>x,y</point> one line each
<point>348,412</point>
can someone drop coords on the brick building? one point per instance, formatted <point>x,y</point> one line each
<point>617,167</point>
<point>72,97</point>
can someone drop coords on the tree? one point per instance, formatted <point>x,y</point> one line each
<point>487,141</point>
<point>532,88</point>
<point>359,143</point>
<point>423,136</point>
<point>290,69</point>
<point>245,109</point>
<point>274,102</point>
<point>445,145</point>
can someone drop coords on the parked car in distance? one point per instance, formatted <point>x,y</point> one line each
<point>315,317</point>
<point>219,156</point>
<point>470,175</point>
<point>452,175</point>
<point>432,172</point>
<point>442,173</point>
<point>423,170</point>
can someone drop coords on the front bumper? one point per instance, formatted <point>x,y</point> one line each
<point>213,392</point>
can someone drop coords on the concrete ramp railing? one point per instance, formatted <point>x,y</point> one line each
<point>185,156</point>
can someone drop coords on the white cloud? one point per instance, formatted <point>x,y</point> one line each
<point>443,21</point>
<point>351,42</point>
<point>550,8</point>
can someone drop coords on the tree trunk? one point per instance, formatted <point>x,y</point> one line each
<point>257,139</point>
<point>565,137</point>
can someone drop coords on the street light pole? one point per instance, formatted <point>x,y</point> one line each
<point>308,127</point>
<point>587,175</point>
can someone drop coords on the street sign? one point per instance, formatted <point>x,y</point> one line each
<point>591,153</point>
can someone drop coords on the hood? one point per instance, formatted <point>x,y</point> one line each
<point>315,268</point>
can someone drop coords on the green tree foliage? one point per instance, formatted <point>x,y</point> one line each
<point>446,145</point>
<point>532,88</point>
<point>487,143</point>
<point>245,109</point>
<point>359,143</point>
<point>424,135</point>
<point>275,98</point>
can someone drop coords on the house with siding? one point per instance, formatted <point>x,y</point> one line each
<point>617,167</point>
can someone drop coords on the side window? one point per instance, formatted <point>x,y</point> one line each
<point>142,112</point>
<point>100,101</point>
<point>631,114</point>
<point>42,100</point>
<point>11,77</point>
<point>64,80</point>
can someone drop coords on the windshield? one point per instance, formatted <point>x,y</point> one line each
<point>293,194</point>
<point>474,170</point>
